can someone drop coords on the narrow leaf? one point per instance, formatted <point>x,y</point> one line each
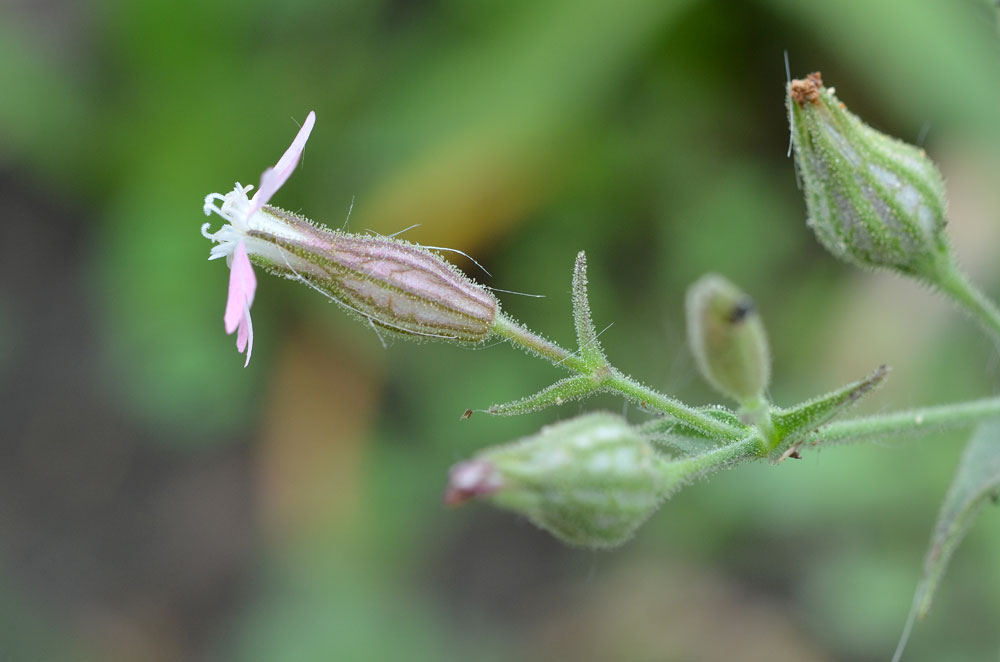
<point>565,390</point>
<point>586,333</point>
<point>975,484</point>
<point>793,424</point>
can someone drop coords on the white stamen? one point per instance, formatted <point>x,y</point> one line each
<point>234,208</point>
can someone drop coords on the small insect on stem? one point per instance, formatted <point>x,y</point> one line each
<point>792,452</point>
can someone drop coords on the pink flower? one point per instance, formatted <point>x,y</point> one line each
<point>389,283</point>
<point>244,215</point>
<point>242,285</point>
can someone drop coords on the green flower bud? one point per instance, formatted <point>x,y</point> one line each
<point>728,340</point>
<point>590,481</point>
<point>873,200</point>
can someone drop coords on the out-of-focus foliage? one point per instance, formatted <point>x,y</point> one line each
<point>975,484</point>
<point>158,501</point>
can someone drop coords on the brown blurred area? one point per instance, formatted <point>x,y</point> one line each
<point>115,535</point>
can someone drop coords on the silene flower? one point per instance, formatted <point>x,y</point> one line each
<point>389,283</point>
<point>246,215</point>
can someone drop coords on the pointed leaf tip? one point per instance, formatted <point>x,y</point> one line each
<point>586,333</point>
<point>793,424</point>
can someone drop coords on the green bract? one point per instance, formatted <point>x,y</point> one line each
<point>872,200</point>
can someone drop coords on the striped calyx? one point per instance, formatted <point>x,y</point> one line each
<point>872,200</point>
<point>395,285</point>
<point>590,481</point>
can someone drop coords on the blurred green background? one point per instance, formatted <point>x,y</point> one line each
<point>160,502</point>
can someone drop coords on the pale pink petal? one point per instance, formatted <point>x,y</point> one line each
<point>242,286</point>
<point>242,335</point>
<point>470,479</point>
<point>246,331</point>
<point>274,178</point>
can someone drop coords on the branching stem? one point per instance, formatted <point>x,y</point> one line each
<point>926,419</point>
<point>612,380</point>
<point>684,470</point>
<point>518,334</point>
<point>653,399</point>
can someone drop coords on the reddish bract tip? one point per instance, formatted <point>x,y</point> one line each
<point>470,479</point>
<point>806,89</point>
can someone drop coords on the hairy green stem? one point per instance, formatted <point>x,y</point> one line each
<point>926,419</point>
<point>758,412</point>
<point>679,472</point>
<point>959,288</point>
<point>518,334</point>
<point>647,397</point>
<point>905,422</point>
<point>611,379</point>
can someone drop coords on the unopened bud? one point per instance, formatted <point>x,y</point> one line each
<point>590,481</point>
<point>727,339</point>
<point>872,200</point>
